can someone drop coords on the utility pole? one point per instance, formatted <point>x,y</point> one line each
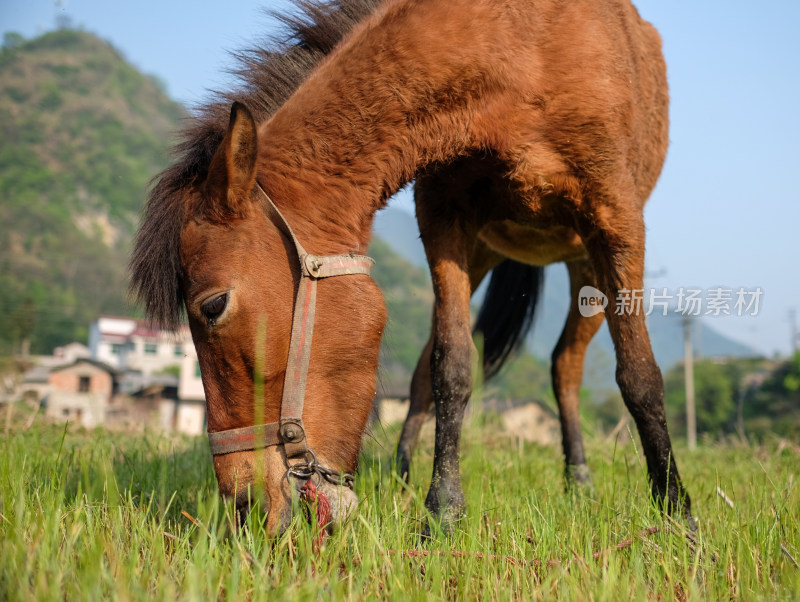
<point>793,329</point>
<point>688,372</point>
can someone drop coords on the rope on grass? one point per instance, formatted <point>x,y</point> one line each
<point>320,503</point>
<point>510,559</point>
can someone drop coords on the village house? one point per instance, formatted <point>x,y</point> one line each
<point>131,375</point>
<point>88,392</point>
<point>35,384</point>
<point>82,392</point>
<point>155,404</point>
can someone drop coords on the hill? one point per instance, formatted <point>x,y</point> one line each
<point>81,134</point>
<point>400,227</point>
<point>409,301</point>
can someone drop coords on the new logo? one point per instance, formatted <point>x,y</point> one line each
<point>591,301</point>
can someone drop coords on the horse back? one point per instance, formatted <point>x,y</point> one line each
<point>592,96</point>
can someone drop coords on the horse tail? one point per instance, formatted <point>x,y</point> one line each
<point>506,316</point>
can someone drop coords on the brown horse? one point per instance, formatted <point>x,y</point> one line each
<point>535,130</point>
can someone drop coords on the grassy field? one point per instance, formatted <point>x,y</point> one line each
<point>98,515</point>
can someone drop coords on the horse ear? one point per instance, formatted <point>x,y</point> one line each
<point>232,172</point>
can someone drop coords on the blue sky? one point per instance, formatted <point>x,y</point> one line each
<point>726,212</point>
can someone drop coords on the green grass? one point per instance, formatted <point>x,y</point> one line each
<point>98,515</point>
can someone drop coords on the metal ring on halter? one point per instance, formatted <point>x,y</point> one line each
<point>304,470</point>
<point>335,477</point>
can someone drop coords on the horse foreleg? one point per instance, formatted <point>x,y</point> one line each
<point>567,373</point>
<point>481,262</point>
<point>617,251</point>
<point>448,248</point>
<point>420,404</point>
<point>451,380</point>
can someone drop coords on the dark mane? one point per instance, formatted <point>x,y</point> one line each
<point>268,75</point>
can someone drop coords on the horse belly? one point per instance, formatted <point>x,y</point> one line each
<point>533,245</point>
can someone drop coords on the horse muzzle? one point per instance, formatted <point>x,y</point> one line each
<point>328,504</point>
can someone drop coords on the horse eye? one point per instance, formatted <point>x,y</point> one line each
<point>213,309</point>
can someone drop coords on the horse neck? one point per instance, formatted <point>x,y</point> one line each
<point>406,89</point>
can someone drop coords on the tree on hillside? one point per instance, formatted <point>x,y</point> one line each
<point>774,406</point>
<point>409,298</point>
<point>12,39</point>
<point>523,377</point>
<point>83,132</point>
<point>25,323</point>
<point>715,401</point>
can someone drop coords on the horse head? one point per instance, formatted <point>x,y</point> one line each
<point>241,278</point>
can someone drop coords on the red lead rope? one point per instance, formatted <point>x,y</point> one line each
<point>319,502</point>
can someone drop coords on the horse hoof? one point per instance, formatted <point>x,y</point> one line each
<point>403,466</point>
<point>425,534</point>
<point>442,522</point>
<point>578,478</point>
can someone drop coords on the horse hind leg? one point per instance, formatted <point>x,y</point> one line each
<point>567,372</point>
<point>449,244</point>
<point>615,242</point>
<point>421,402</point>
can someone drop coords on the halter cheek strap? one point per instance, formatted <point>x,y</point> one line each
<point>290,431</point>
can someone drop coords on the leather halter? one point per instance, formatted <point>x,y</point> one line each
<point>289,430</point>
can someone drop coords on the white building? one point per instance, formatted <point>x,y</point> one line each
<point>130,344</point>
<point>190,385</point>
<point>191,411</point>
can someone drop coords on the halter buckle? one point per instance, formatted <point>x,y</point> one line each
<point>313,264</point>
<point>291,430</point>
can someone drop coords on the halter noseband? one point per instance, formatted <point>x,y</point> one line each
<point>289,431</point>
